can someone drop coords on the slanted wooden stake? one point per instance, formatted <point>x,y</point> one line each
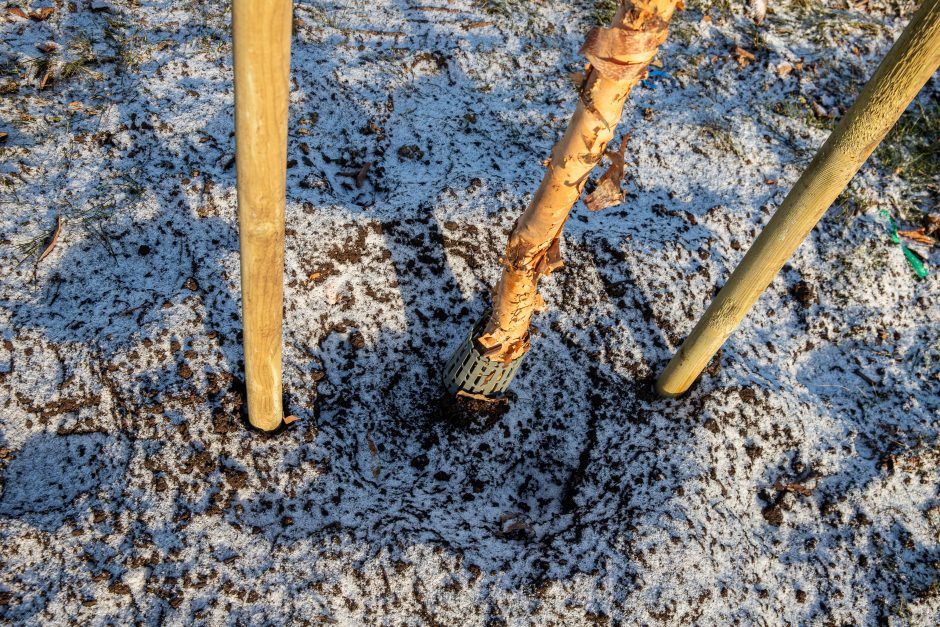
<point>261,33</point>
<point>619,56</point>
<point>902,73</point>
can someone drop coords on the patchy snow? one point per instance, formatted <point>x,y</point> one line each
<point>796,483</point>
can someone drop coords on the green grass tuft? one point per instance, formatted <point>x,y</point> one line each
<point>911,150</point>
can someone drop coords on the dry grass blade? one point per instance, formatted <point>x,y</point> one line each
<point>52,240</point>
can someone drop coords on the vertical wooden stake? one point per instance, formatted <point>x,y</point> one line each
<point>261,34</point>
<point>907,67</point>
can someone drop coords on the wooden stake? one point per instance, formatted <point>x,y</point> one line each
<point>907,67</point>
<point>261,33</point>
<point>619,56</point>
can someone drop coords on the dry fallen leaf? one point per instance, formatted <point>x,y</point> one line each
<point>819,110</point>
<point>514,524</point>
<point>18,12</point>
<point>290,419</point>
<point>52,240</point>
<point>743,56</point>
<point>3,136</point>
<point>799,485</point>
<point>47,46</point>
<point>372,448</point>
<point>45,79</point>
<point>363,172</point>
<point>41,15</point>
<point>784,69</point>
<point>793,487</point>
<point>918,235</point>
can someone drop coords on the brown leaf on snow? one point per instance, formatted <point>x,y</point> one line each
<point>743,56</point>
<point>44,82</point>
<point>52,240</point>
<point>514,525</point>
<point>47,46</point>
<point>3,136</point>
<point>784,69</point>
<point>363,172</point>
<point>41,15</point>
<point>819,110</point>
<point>18,12</point>
<point>918,235</point>
<point>796,487</point>
<point>608,192</point>
<point>372,448</point>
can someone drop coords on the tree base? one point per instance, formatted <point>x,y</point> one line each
<point>470,373</point>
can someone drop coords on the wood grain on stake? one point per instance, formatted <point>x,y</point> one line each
<point>619,56</point>
<point>261,33</point>
<point>907,67</point>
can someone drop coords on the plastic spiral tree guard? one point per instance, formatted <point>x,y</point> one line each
<point>469,372</point>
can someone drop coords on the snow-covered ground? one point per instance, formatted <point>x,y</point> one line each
<point>797,483</point>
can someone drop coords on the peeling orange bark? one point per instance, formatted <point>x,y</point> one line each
<point>618,56</point>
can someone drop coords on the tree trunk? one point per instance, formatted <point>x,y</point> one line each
<point>618,58</point>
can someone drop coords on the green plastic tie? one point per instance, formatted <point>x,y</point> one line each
<point>919,268</point>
